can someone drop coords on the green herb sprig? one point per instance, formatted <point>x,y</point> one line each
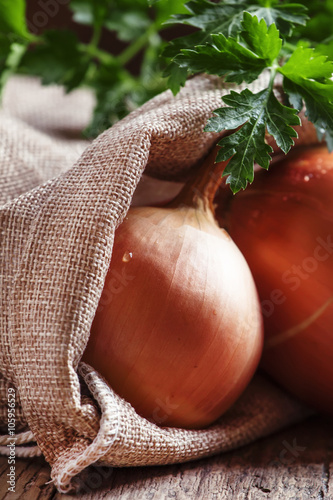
<point>239,41</point>
<point>58,56</point>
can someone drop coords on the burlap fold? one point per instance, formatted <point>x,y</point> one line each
<point>57,226</point>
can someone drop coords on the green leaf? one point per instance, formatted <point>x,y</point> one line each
<point>211,18</point>
<point>82,11</point>
<point>225,56</point>
<point>150,80</point>
<point>166,8</point>
<point>111,88</point>
<point>88,12</point>
<point>10,57</point>
<point>118,93</point>
<point>284,16</point>
<point>110,107</point>
<point>15,54</point>
<point>128,25</point>
<point>261,39</point>
<point>293,95</point>
<point>241,107</point>
<point>57,60</point>
<point>187,42</point>
<point>305,63</point>
<point>279,119</point>
<point>177,78</point>
<point>12,18</point>
<point>308,78</point>
<point>224,17</point>
<point>128,18</point>
<point>253,113</point>
<point>240,59</point>
<point>245,147</point>
<point>318,109</point>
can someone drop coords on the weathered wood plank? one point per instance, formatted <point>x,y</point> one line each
<point>31,478</point>
<point>295,464</point>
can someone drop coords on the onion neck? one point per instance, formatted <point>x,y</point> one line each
<point>200,190</point>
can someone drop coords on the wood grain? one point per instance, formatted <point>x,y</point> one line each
<point>295,464</point>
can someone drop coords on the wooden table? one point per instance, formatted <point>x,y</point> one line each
<point>296,463</point>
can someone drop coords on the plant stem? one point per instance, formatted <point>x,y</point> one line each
<point>96,36</point>
<point>201,188</point>
<point>108,60</point>
<point>100,54</point>
<point>92,48</point>
<point>136,46</point>
<point>273,69</point>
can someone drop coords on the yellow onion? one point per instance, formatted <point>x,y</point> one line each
<point>283,224</point>
<point>178,330</point>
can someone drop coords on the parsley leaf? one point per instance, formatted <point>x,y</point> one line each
<point>310,70</point>
<point>224,56</point>
<point>253,113</point>
<point>224,18</point>
<point>240,60</point>
<point>12,19</point>
<point>318,110</point>
<point>308,78</point>
<point>128,25</point>
<point>212,18</point>
<point>284,16</point>
<point>255,40</point>
<point>14,37</point>
<point>57,59</point>
<point>262,39</point>
<point>10,57</point>
<point>247,144</point>
<point>279,119</point>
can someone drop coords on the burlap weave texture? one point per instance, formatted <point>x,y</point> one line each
<point>61,200</point>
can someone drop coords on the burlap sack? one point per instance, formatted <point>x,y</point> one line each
<point>57,228</point>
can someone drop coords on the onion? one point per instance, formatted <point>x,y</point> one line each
<point>178,331</point>
<point>283,224</point>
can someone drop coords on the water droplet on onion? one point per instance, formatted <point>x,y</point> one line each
<point>127,256</point>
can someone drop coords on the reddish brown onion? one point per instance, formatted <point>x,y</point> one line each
<point>283,224</point>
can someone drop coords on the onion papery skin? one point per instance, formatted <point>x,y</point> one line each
<point>182,336</point>
<point>283,224</point>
